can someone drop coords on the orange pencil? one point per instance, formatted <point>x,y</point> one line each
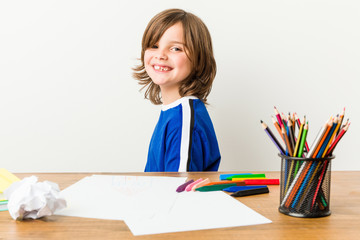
<point>288,145</point>
<point>332,137</point>
<point>293,120</point>
<point>341,120</point>
<point>329,125</point>
<point>276,124</point>
<point>297,185</point>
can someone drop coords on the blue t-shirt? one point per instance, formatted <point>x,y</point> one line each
<point>184,139</point>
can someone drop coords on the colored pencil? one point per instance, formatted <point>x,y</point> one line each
<point>304,176</point>
<point>341,120</point>
<point>291,133</point>
<point>344,125</point>
<point>323,172</point>
<point>283,119</point>
<point>299,175</point>
<point>288,146</point>
<point>318,147</point>
<point>307,185</point>
<point>310,174</point>
<point>301,147</point>
<point>273,138</point>
<point>276,124</point>
<point>278,117</point>
<point>336,127</point>
<point>341,134</point>
<point>298,140</point>
<point>322,150</point>
<point>317,140</point>
<point>294,123</point>
<point>297,119</point>
<point>303,140</point>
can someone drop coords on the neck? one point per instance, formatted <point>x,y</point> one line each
<point>169,95</point>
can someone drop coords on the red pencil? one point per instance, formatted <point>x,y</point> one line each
<point>336,141</point>
<point>277,115</point>
<point>341,120</point>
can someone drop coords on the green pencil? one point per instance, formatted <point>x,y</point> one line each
<point>302,145</point>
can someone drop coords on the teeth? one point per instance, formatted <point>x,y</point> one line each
<point>161,68</point>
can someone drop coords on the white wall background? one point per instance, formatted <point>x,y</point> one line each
<point>68,102</point>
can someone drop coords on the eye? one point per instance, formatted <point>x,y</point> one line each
<point>176,49</point>
<point>154,46</point>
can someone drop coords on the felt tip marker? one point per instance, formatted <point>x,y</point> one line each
<point>240,188</point>
<point>182,187</point>
<point>248,192</point>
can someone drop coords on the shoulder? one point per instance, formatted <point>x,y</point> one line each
<point>179,110</point>
<point>179,103</point>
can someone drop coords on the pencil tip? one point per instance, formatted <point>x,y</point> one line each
<point>261,121</point>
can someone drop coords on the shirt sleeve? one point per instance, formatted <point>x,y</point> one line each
<point>172,151</point>
<point>203,157</point>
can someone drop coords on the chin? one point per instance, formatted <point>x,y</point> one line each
<point>158,81</point>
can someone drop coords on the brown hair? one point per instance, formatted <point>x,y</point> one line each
<point>198,49</point>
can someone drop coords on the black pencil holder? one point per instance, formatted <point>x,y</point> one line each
<point>305,186</point>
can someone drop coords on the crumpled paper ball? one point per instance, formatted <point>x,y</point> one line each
<point>29,198</point>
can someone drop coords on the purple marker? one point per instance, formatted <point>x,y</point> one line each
<point>182,187</point>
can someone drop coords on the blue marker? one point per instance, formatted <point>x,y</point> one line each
<point>241,188</point>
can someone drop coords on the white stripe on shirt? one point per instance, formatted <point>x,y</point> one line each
<point>185,135</point>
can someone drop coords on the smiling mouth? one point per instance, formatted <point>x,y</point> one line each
<point>162,68</point>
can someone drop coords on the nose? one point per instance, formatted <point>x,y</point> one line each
<point>161,54</point>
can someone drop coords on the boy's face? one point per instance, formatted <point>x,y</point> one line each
<point>166,62</point>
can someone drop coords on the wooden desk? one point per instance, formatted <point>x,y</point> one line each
<point>343,223</point>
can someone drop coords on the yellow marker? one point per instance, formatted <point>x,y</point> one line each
<point>6,179</point>
<point>242,179</point>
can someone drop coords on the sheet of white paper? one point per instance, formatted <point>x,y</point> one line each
<point>150,205</point>
<point>115,197</point>
<point>195,211</point>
